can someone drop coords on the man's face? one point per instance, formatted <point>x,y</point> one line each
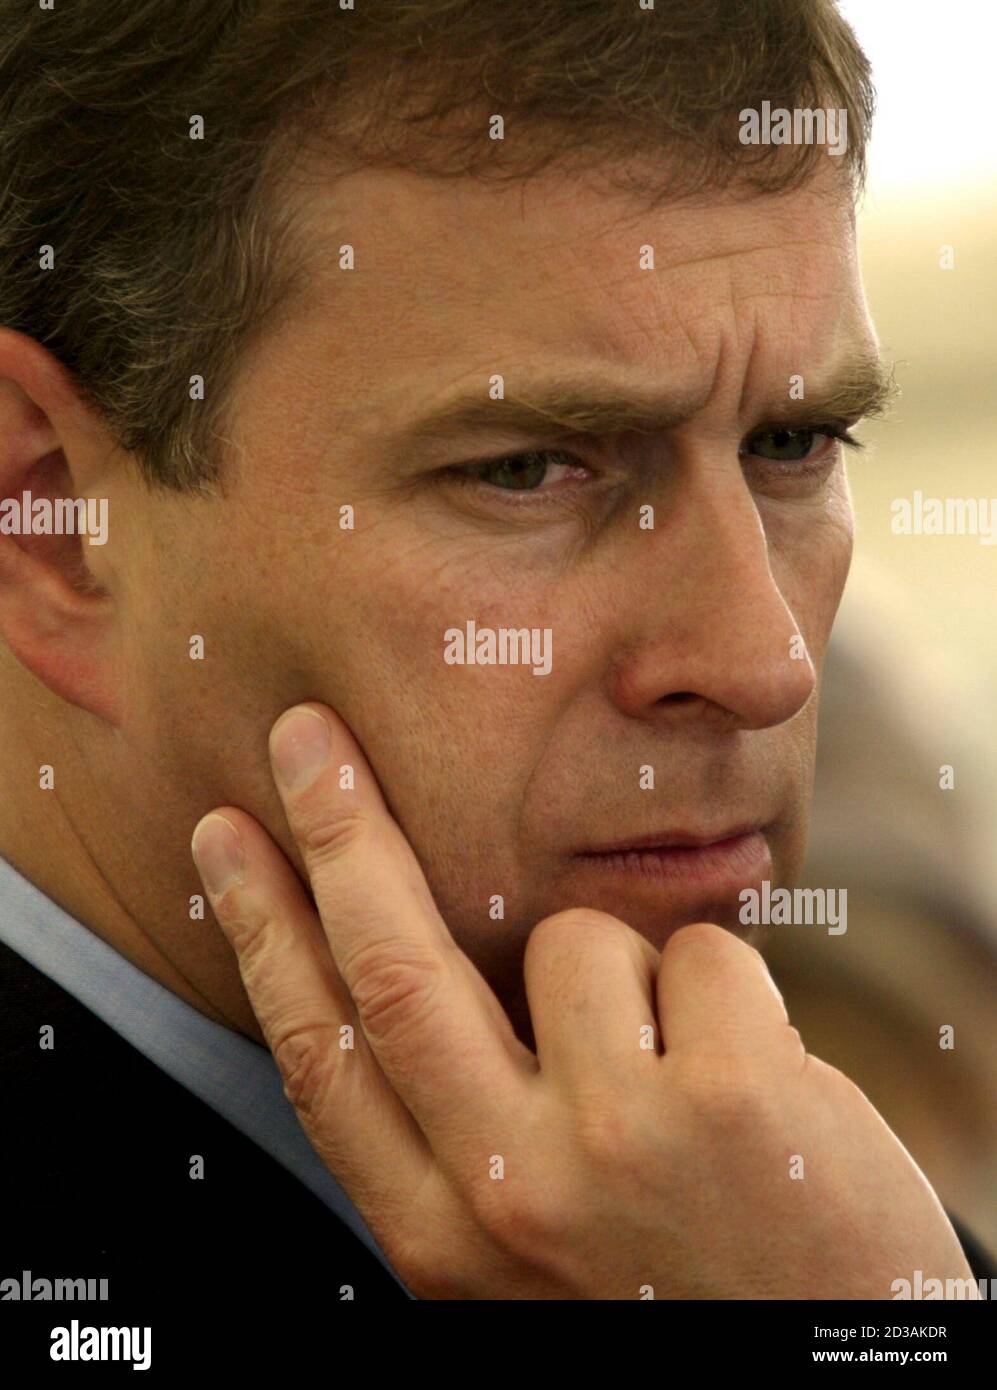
<point>671,645</point>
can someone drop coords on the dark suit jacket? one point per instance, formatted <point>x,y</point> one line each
<point>95,1182</point>
<point>95,1168</point>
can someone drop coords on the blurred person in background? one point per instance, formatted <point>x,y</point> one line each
<point>918,862</point>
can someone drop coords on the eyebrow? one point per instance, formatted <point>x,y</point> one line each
<point>864,386</point>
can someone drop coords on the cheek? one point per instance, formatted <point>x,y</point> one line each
<point>832,560</point>
<point>456,743</point>
<point>810,553</point>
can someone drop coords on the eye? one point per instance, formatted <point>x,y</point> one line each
<point>779,445</point>
<point>524,472</point>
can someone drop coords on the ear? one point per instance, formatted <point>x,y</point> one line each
<point>54,616</point>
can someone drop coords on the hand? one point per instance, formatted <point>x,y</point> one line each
<point>594,1167</point>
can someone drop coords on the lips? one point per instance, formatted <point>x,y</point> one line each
<point>679,839</point>
<point>695,866</point>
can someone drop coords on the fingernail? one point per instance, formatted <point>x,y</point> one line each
<point>217,849</point>
<point>300,746</point>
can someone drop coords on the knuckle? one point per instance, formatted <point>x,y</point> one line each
<point>730,1100</point>
<point>393,986</point>
<point>569,947</point>
<point>417,1229</point>
<point>522,1219</point>
<point>830,1078</point>
<point>415,1252</point>
<point>425,1273</point>
<point>609,1137</point>
<point>432,1274</point>
<point>565,926</point>
<point>793,1043</point>
<point>329,837</point>
<point>251,934</point>
<point>702,937</point>
<point>306,1055</point>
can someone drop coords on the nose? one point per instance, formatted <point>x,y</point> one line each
<point>711,634</point>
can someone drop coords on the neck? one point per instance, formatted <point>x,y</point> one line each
<point>57,839</point>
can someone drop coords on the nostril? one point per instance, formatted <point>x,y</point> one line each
<point>681,697</point>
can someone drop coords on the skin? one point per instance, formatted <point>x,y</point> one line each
<point>671,646</point>
<point>720,1160</point>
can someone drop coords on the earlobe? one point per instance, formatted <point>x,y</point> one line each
<point>62,636</point>
<point>54,617</point>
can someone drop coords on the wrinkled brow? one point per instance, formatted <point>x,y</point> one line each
<point>864,386</point>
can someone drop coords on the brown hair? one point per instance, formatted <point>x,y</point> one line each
<point>171,252</point>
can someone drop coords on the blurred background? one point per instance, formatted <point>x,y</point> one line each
<point>911,676</point>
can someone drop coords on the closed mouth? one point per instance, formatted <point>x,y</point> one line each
<point>678,840</point>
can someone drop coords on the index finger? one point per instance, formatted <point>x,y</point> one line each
<point>436,1028</point>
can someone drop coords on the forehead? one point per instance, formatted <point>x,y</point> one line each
<point>460,276</point>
